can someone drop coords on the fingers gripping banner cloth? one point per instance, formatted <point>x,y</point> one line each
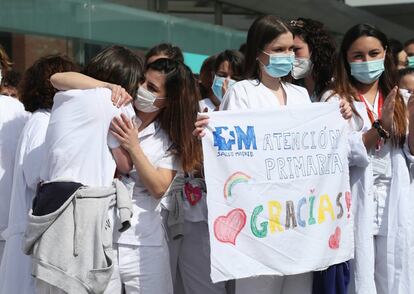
<point>278,199</point>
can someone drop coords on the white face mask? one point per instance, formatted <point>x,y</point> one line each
<point>145,100</point>
<point>301,68</point>
<point>406,95</point>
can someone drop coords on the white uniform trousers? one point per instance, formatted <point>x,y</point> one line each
<point>381,279</point>
<point>141,270</point>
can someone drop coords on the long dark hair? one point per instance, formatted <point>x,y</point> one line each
<point>345,85</point>
<point>178,116</point>
<point>263,30</point>
<point>322,47</point>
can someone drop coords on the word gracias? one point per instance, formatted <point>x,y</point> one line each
<point>296,216</point>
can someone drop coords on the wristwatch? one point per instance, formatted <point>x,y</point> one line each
<point>381,131</point>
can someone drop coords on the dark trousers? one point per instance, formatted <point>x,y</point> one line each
<point>49,197</point>
<point>334,280</point>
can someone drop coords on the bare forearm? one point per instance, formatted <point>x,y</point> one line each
<point>74,80</point>
<point>122,159</point>
<point>155,181</point>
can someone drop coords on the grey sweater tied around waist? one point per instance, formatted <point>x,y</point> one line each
<point>71,247</point>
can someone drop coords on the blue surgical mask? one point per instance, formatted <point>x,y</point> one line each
<point>279,65</point>
<point>217,86</point>
<point>367,72</point>
<point>410,61</point>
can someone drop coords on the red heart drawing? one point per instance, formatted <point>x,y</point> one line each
<point>192,193</point>
<point>335,239</point>
<point>348,200</point>
<point>227,228</point>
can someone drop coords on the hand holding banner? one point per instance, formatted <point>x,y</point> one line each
<point>278,191</point>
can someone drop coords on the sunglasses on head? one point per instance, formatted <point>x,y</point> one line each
<point>297,23</point>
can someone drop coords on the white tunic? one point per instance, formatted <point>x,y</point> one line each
<point>15,269</point>
<point>382,172</point>
<point>77,138</point>
<point>12,120</point>
<point>250,94</point>
<point>399,221</point>
<point>146,225</point>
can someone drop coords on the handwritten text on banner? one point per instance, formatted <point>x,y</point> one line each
<point>278,199</point>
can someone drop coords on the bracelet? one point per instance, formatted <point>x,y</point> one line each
<point>381,131</point>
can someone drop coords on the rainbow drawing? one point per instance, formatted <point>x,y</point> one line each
<point>233,180</point>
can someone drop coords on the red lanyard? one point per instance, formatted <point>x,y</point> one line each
<point>371,115</point>
<point>379,111</point>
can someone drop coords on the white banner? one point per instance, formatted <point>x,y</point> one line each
<point>278,191</point>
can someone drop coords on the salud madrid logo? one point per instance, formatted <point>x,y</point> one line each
<point>235,141</point>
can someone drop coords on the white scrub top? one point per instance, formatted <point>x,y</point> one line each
<point>382,172</point>
<point>381,167</point>
<point>250,94</point>
<point>77,138</point>
<point>146,225</point>
<point>12,120</point>
<point>16,267</point>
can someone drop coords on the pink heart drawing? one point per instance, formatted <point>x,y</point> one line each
<point>348,200</point>
<point>192,193</point>
<point>227,228</point>
<point>335,239</point>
